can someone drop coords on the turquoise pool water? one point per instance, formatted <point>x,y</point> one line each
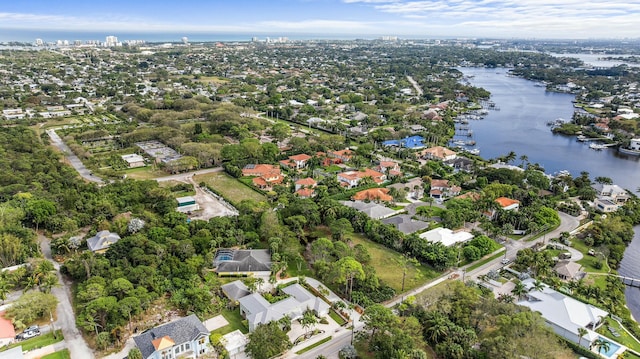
<point>613,348</point>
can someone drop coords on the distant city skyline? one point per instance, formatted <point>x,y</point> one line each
<point>541,19</point>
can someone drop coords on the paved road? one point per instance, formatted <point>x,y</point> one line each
<point>66,321</point>
<point>72,158</point>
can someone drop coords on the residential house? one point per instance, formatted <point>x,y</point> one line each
<point>265,175</point>
<point>564,314</point>
<point>392,168</point>
<point>441,189</point>
<point>343,155</point>
<point>7,331</point>
<point>405,223</point>
<point>134,160</point>
<point>460,164</point>
<point>239,262</point>
<point>186,337</point>
<point>413,187</point>
<point>234,343</point>
<point>504,203</point>
<point>235,290</point>
<point>352,179</point>
<point>304,188</point>
<point>446,236</point>
<point>372,210</point>
<point>102,241</point>
<point>438,153</point>
<point>326,161</point>
<point>413,143</point>
<point>373,194</point>
<point>609,197</point>
<point>296,162</point>
<point>567,270</point>
<point>256,310</point>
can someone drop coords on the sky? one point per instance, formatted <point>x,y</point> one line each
<point>566,19</point>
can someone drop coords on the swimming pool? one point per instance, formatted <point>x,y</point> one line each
<point>613,348</point>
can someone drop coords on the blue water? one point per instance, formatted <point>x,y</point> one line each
<point>520,126</point>
<point>613,348</point>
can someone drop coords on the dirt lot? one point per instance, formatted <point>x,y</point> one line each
<point>210,206</point>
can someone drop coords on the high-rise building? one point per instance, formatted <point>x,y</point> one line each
<point>111,41</point>
<point>39,42</point>
<point>185,40</point>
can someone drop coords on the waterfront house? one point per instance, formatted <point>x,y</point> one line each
<point>609,197</point>
<point>186,337</point>
<point>563,314</point>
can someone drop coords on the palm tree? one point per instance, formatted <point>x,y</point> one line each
<point>308,320</point>
<point>581,333</point>
<point>437,327</point>
<point>601,344</point>
<point>519,290</point>
<point>537,285</point>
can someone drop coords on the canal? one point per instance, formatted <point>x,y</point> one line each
<point>520,125</point>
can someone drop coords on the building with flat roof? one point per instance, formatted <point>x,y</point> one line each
<point>187,204</point>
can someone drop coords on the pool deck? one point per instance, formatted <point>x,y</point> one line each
<point>621,349</point>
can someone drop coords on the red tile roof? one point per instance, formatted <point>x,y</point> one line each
<point>373,194</point>
<point>6,327</point>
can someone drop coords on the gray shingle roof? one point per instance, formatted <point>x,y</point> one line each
<point>235,290</point>
<point>102,240</point>
<point>180,331</point>
<point>405,224</point>
<point>254,260</point>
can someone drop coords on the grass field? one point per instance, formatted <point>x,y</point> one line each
<point>389,268</point>
<point>63,354</point>
<point>230,188</point>
<point>485,261</point>
<point>145,173</point>
<point>235,322</point>
<point>624,337</point>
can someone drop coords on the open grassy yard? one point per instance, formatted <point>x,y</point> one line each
<point>235,322</point>
<point>63,354</point>
<point>624,337</point>
<point>144,173</point>
<point>230,188</point>
<point>389,267</point>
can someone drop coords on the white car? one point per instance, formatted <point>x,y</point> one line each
<point>505,261</point>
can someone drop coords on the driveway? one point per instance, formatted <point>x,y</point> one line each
<point>66,321</point>
<point>74,161</point>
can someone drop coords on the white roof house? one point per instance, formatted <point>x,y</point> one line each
<point>564,314</point>
<point>133,160</point>
<point>257,310</point>
<point>446,236</point>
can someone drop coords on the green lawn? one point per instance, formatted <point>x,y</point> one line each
<point>624,337</point>
<point>144,173</point>
<point>314,345</point>
<point>37,342</point>
<point>63,354</point>
<point>235,322</point>
<point>389,268</point>
<point>485,261</point>
<point>336,317</point>
<point>230,188</point>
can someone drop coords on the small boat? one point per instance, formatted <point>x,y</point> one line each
<point>459,143</point>
<point>474,151</point>
<point>597,146</point>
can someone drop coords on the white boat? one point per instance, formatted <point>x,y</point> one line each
<point>597,146</point>
<point>474,151</point>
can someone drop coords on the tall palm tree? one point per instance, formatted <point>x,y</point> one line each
<point>581,333</point>
<point>601,344</point>
<point>537,285</point>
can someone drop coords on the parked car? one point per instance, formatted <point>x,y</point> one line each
<point>28,334</point>
<point>33,328</point>
<point>505,261</point>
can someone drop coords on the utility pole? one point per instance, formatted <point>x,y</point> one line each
<point>53,329</point>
